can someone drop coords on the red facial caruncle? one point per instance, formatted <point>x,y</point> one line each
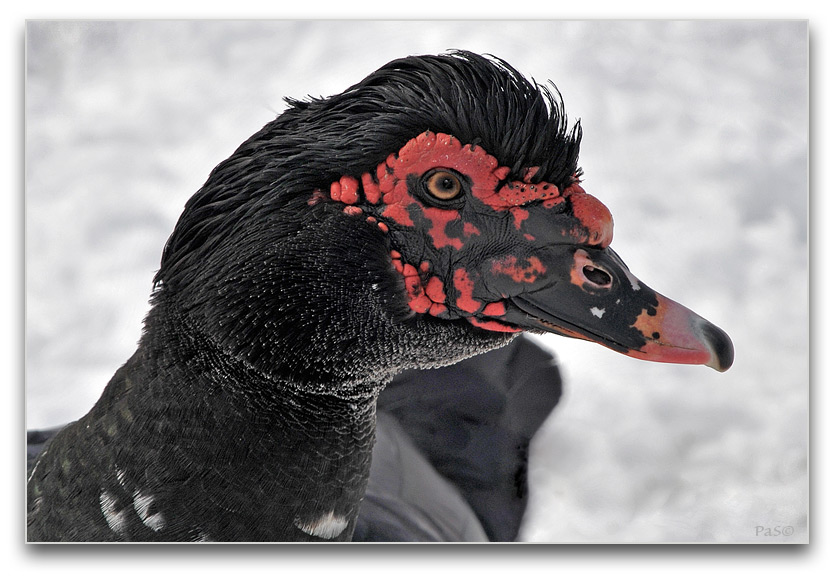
<point>444,245</point>
<point>468,242</point>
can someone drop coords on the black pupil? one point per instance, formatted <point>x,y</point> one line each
<point>443,185</point>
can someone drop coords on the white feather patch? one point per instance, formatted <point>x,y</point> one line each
<point>200,536</point>
<point>327,526</point>
<point>120,476</point>
<point>142,504</point>
<point>117,521</point>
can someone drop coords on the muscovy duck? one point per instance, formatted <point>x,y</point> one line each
<point>427,214</point>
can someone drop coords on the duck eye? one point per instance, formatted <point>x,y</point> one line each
<point>443,185</point>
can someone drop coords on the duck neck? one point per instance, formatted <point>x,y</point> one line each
<point>288,460</point>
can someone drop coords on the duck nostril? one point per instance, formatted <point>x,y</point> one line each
<point>596,276</point>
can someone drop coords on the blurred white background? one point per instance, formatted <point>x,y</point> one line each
<point>695,136</point>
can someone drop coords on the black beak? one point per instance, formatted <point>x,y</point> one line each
<point>595,297</point>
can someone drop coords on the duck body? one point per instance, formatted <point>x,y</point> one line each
<point>138,451</point>
<point>449,461</point>
<point>282,459</point>
<point>425,215</point>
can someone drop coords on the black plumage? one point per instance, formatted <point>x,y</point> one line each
<point>450,458</point>
<point>315,264</point>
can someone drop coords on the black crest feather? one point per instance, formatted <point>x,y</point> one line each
<point>479,100</point>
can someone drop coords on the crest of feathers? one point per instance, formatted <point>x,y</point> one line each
<point>479,100</point>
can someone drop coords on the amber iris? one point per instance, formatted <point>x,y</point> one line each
<point>443,185</point>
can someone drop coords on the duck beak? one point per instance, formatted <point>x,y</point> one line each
<point>598,299</point>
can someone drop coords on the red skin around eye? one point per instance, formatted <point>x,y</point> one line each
<point>519,215</point>
<point>492,325</point>
<point>371,188</point>
<point>526,270</point>
<point>384,195</point>
<point>440,219</point>
<point>593,215</point>
<point>464,285</point>
<point>421,299</point>
<point>495,309</point>
<point>434,290</point>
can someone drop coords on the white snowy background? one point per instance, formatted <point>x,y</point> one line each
<point>695,136</point>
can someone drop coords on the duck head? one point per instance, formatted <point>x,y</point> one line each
<point>454,176</point>
<point>512,255</point>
